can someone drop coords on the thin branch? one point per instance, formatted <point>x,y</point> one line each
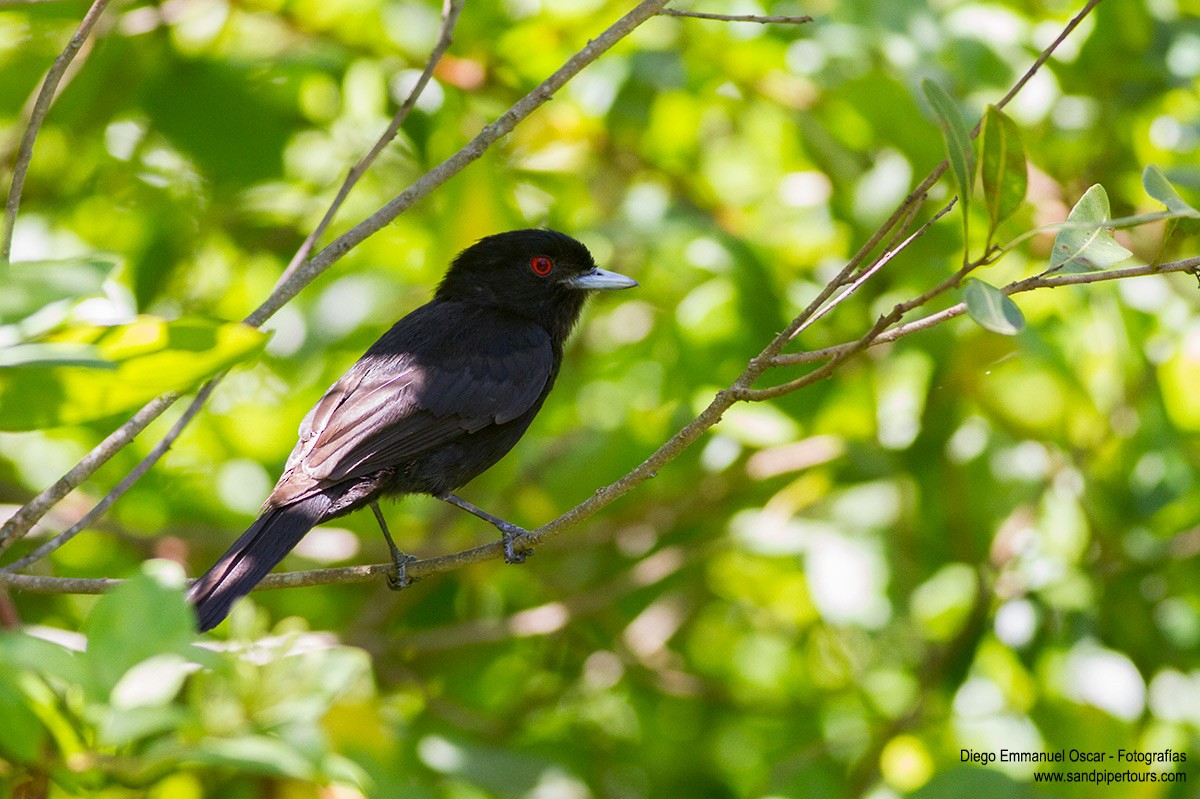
<point>129,480</point>
<point>883,260</point>
<point>28,514</point>
<point>917,195</point>
<point>1045,55</point>
<point>1109,224</point>
<point>450,13</point>
<point>675,12</point>
<point>41,107</point>
<point>1029,284</point>
<point>906,223</point>
<point>24,519</point>
<point>901,216</point>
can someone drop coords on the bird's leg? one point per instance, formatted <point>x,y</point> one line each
<point>508,531</point>
<point>400,560</point>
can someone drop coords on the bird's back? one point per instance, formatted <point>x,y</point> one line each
<point>439,398</point>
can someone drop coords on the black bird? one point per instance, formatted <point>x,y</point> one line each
<point>434,402</point>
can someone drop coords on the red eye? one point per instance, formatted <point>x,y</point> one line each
<point>541,265</point>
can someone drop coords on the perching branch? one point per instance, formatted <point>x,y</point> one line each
<point>41,107</point>
<point>764,20</point>
<point>20,523</point>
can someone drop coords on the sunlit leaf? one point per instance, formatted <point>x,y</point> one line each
<point>21,734</point>
<point>1158,187</point>
<point>958,139</point>
<point>121,726</point>
<point>992,309</point>
<point>1002,169</point>
<point>255,754</point>
<point>1087,245</point>
<point>29,286</point>
<point>136,362</point>
<point>54,354</point>
<point>30,652</point>
<point>137,620</point>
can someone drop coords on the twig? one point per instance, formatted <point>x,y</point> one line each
<point>867,274</point>
<point>25,518</point>
<point>676,12</point>
<point>1045,55</point>
<point>1029,284</point>
<point>450,12</point>
<point>28,514</point>
<point>40,108</point>
<point>867,339</point>
<point>129,480</point>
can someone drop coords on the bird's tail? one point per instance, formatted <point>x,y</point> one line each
<point>252,556</point>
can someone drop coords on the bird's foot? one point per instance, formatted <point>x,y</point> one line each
<point>399,579</point>
<point>508,534</point>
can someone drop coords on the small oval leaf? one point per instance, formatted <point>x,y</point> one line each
<point>30,286</point>
<point>992,309</point>
<point>1002,167</point>
<point>1158,187</point>
<point>1087,245</point>
<point>959,147</point>
<point>136,363</point>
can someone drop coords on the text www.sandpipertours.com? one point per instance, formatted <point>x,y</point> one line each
<point>1100,768</point>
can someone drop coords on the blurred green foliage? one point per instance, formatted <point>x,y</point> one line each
<point>963,541</point>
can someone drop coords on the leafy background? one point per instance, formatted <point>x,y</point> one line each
<point>962,541</point>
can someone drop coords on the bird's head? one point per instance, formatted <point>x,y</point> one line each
<point>542,274</point>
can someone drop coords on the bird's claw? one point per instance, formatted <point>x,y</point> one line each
<point>400,580</point>
<point>509,533</point>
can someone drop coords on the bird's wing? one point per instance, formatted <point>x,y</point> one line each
<point>418,388</point>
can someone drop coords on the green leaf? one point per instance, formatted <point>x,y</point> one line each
<point>992,309</point>
<point>141,618</point>
<point>1002,168</point>
<point>154,681</point>
<point>29,286</point>
<point>141,360</point>
<point>1087,245</point>
<point>22,734</point>
<point>1158,187</point>
<point>53,353</point>
<point>958,139</point>
<point>25,651</point>
<point>122,726</point>
<point>255,754</point>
